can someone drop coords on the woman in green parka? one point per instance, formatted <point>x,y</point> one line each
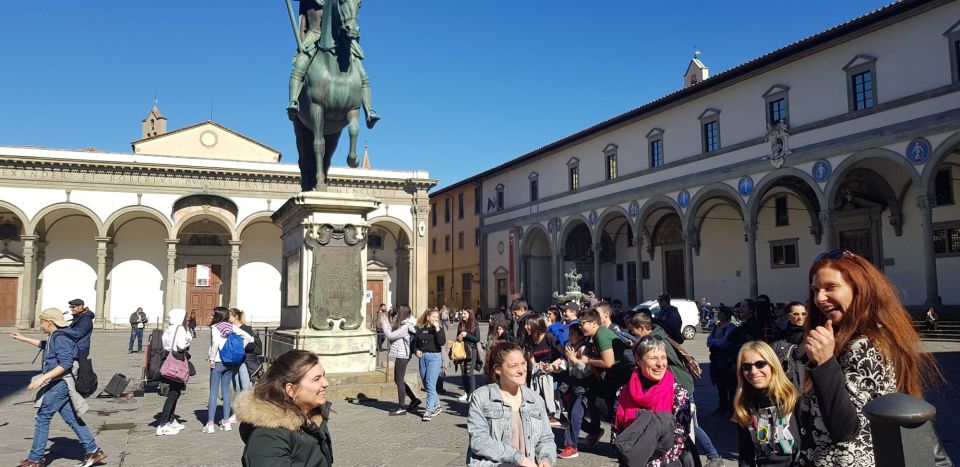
<point>283,421</point>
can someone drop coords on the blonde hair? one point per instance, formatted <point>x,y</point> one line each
<point>781,391</point>
<point>422,320</point>
<point>240,315</point>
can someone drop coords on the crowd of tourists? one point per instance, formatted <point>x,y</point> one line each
<point>793,378</point>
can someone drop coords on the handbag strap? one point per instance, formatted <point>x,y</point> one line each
<point>173,343</point>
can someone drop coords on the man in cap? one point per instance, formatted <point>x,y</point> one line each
<point>59,352</point>
<point>80,330</point>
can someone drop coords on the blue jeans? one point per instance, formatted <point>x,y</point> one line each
<point>138,334</point>
<point>571,436</point>
<point>57,399</point>
<point>241,382</point>
<point>429,372</point>
<point>221,377</point>
<point>704,441</point>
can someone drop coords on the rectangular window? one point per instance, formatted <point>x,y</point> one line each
<point>476,237</point>
<point>777,111</point>
<point>943,186</point>
<point>574,178</point>
<point>946,239</point>
<point>441,290</point>
<point>611,166</point>
<point>433,247</point>
<point>783,215</point>
<point>460,240</point>
<point>446,243</point>
<point>711,136</point>
<point>466,282</point>
<point>460,206</point>
<point>862,86</point>
<point>446,210</point>
<point>477,205</point>
<point>656,153</point>
<point>645,270</point>
<point>939,241</point>
<point>534,190</point>
<point>783,254</point>
<point>433,214</point>
<point>619,272</point>
<point>956,60</point>
<point>629,236</point>
<point>500,200</point>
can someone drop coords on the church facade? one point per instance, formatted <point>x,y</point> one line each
<point>184,221</point>
<point>731,186</point>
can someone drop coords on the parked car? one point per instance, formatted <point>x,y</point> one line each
<point>689,314</point>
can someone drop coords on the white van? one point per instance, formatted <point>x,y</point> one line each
<point>689,314</point>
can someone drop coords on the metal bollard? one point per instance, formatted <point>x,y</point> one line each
<point>903,432</point>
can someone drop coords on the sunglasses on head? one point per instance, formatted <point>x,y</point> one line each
<point>833,254</point>
<point>747,366</point>
<point>650,337</point>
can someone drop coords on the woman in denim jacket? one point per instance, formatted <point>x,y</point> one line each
<point>508,423</point>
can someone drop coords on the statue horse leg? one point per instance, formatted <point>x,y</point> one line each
<point>307,160</point>
<point>353,129</point>
<point>321,165</point>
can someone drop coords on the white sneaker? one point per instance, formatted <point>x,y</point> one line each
<point>463,397</point>
<point>176,424</point>
<point>225,425</point>
<point>209,428</point>
<point>233,418</point>
<point>167,430</point>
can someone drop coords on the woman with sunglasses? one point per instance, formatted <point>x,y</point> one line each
<point>860,344</point>
<point>764,408</point>
<point>654,408</point>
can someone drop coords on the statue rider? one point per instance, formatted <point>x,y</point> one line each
<point>311,12</point>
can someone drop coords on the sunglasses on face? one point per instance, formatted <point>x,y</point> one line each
<point>747,366</point>
<point>833,254</point>
<point>799,314</point>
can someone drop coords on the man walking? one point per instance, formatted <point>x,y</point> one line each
<point>80,330</point>
<point>138,320</point>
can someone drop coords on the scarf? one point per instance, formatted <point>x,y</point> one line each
<point>657,398</point>
<point>225,328</point>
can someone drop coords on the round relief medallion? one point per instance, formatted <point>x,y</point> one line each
<point>500,247</point>
<point>208,139</point>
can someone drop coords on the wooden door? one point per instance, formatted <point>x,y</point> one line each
<point>376,286</point>
<point>501,293</point>
<point>203,299</point>
<point>8,301</point>
<point>859,241</point>
<point>673,273</point>
<point>631,283</point>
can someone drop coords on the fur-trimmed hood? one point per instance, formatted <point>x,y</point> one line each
<point>260,413</point>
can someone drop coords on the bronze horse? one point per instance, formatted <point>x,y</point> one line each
<point>330,98</point>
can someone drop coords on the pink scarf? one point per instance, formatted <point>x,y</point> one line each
<point>657,398</point>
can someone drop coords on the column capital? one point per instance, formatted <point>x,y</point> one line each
<point>926,203</point>
<point>749,231</point>
<point>827,216</point>
<point>172,242</point>
<point>102,241</point>
<point>29,238</point>
<point>236,243</point>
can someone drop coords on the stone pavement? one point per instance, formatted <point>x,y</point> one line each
<point>363,434</point>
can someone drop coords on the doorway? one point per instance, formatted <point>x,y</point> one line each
<point>631,283</point>
<point>375,286</point>
<point>8,301</point>
<point>859,241</point>
<point>673,274</point>
<point>203,295</point>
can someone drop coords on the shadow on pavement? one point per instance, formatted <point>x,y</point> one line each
<point>13,382</point>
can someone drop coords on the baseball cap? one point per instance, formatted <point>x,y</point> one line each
<point>75,302</point>
<point>54,315</point>
<point>570,306</point>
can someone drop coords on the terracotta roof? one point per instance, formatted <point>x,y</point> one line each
<point>211,122</point>
<point>847,28</point>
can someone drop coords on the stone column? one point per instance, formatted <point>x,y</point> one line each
<point>169,295</point>
<point>750,235</point>
<point>597,288</point>
<point>234,270</point>
<point>419,298</point>
<point>102,247</point>
<point>403,276</point>
<point>828,219</point>
<point>40,255</point>
<point>24,315</point>
<point>639,244</point>
<point>689,239</point>
<point>554,268</point>
<point>926,203</point>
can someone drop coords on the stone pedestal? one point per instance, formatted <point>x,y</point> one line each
<point>324,279</point>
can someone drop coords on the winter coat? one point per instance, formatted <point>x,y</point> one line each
<point>400,338</point>
<point>273,436</point>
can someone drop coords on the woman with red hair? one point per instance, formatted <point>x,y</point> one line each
<point>860,344</point>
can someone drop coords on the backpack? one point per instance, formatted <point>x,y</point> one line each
<point>232,352</point>
<point>689,362</point>
<point>790,361</point>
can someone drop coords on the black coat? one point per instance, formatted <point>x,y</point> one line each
<point>276,437</point>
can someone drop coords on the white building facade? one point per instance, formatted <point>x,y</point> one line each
<point>182,222</point>
<point>731,186</point>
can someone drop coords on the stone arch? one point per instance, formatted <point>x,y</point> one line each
<point>942,151</point>
<point>611,213</point>
<point>21,216</point>
<point>715,191</point>
<point>39,217</point>
<point>396,223</point>
<point>528,235</point>
<point>215,216</point>
<point>255,218</point>
<point>774,178</point>
<point>108,228</point>
<point>830,191</point>
<point>570,224</point>
<point>654,204</point>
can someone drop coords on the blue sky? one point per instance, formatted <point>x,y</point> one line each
<point>461,86</point>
